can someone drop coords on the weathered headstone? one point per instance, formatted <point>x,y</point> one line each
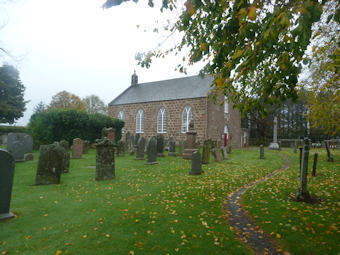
<point>172,147</point>
<point>181,147</point>
<point>6,183</point>
<point>152,151</point>
<point>229,150</point>
<point>329,155</point>
<point>121,148</point>
<point>196,163</point>
<point>111,133</point>
<point>302,193</point>
<point>127,140</point>
<point>132,145</point>
<point>295,147</point>
<point>86,146</point>
<point>224,153</point>
<point>136,139</point>
<point>50,164</point>
<point>315,162</point>
<point>65,145</point>
<point>28,144</point>
<point>206,152</point>
<point>300,157</point>
<point>261,151</point>
<point>29,157</point>
<point>160,145</point>
<point>66,162</point>
<point>18,151</point>
<point>105,159</point>
<point>140,148</point>
<point>77,148</point>
<point>217,154</point>
<point>191,145</point>
<point>14,137</point>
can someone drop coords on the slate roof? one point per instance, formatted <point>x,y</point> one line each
<point>180,88</point>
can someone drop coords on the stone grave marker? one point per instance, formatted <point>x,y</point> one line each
<point>152,151</point>
<point>329,155</point>
<point>181,147</point>
<point>191,145</point>
<point>77,148</point>
<point>295,147</point>
<point>136,139</point>
<point>121,148</point>
<point>28,143</point>
<point>302,193</point>
<point>18,151</point>
<point>196,163</point>
<point>50,164</point>
<point>7,164</point>
<point>217,154</point>
<point>224,153</point>
<point>206,152</point>
<point>172,147</point>
<point>261,151</point>
<point>105,159</point>
<point>65,145</point>
<point>315,162</point>
<point>86,146</point>
<point>29,157</point>
<point>140,148</point>
<point>160,145</point>
<point>14,137</point>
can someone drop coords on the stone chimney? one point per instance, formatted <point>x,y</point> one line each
<point>134,79</point>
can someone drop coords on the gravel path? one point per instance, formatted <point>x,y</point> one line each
<point>244,226</point>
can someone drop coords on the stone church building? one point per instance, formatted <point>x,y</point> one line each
<point>167,107</point>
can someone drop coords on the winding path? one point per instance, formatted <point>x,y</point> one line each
<point>243,225</point>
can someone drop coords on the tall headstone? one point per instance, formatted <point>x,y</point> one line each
<point>28,144</point>
<point>302,193</point>
<point>329,155</point>
<point>261,151</point>
<point>50,164</point>
<point>224,153</point>
<point>14,137</point>
<point>274,145</point>
<point>66,165</point>
<point>18,151</point>
<point>136,139</point>
<point>160,145</point>
<point>196,163</point>
<point>295,147</point>
<point>132,145</point>
<point>172,147</point>
<point>217,155</point>
<point>77,148</point>
<point>152,151</point>
<point>206,152</point>
<point>105,159</point>
<point>127,140</point>
<point>190,142</point>
<point>140,148</point>
<point>181,148</point>
<point>315,162</point>
<point>6,182</point>
<point>86,146</point>
<point>121,148</point>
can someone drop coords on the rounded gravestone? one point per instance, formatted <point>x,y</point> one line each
<point>6,182</point>
<point>152,151</point>
<point>196,164</point>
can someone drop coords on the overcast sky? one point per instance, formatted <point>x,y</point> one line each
<point>75,45</point>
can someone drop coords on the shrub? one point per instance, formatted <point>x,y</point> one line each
<point>57,124</point>
<point>12,129</point>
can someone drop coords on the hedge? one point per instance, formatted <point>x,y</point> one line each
<point>55,125</point>
<point>12,129</point>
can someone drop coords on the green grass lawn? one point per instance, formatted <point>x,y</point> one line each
<point>300,227</point>
<point>146,209</point>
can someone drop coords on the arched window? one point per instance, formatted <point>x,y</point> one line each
<point>140,121</point>
<point>226,104</point>
<point>226,131</point>
<point>161,121</point>
<point>121,115</point>
<point>186,118</point>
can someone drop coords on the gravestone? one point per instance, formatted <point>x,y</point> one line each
<point>166,144</point>
<point>50,164</point>
<point>217,154</point>
<point>302,193</point>
<point>111,133</point>
<point>279,143</point>
<point>65,145</point>
<point>136,139</point>
<point>121,148</point>
<point>28,144</point>
<point>14,137</point>
<point>329,155</point>
<point>86,146</point>
<point>29,157</point>
<point>191,145</point>
<point>229,149</point>
<point>132,145</point>
<point>77,148</point>
<point>66,160</point>
<point>300,149</point>
<point>206,152</point>
<point>18,151</point>
<point>127,141</point>
<point>274,145</point>
<point>196,164</point>
<point>172,147</point>
<point>295,147</point>
<point>140,148</point>
<point>261,151</point>
<point>160,145</point>
<point>6,182</point>
<point>105,159</point>
<point>181,147</point>
<point>152,151</point>
<point>315,162</point>
<point>224,153</point>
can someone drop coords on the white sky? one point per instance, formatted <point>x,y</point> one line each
<point>75,45</point>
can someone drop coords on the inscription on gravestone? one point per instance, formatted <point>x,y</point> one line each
<point>6,182</point>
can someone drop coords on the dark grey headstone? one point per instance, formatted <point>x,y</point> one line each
<point>152,151</point>
<point>50,164</point>
<point>224,153</point>
<point>196,163</point>
<point>18,151</point>
<point>121,148</point>
<point>65,144</point>
<point>6,182</point>
<point>105,159</point>
<point>206,152</point>
<point>160,145</point>
<point>14,137</point>
<point>140,148</point>
<point>28,144</point>
<point>261,151</point>
<point>86,146</point>
<point>136,139</point>
<point>172,147</point>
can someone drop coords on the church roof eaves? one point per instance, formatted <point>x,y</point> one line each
<point>173,89</point>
